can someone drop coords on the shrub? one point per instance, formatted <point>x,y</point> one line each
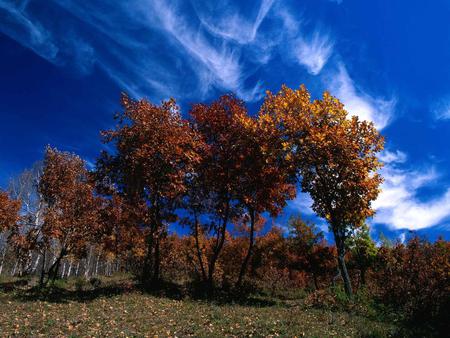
<point>415,279</point>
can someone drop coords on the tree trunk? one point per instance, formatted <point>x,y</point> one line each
<point>41,277</point>
<point>63,270</point>
<point>36,264</point>
<point>148,262</point>
<point>97,264</point>
<point>316,284</point>
<point>54,268</point>
<point>88,264</point>
<point>199,252</point>
<point>249,250</point>
<point>3,261</point>
<point>345,276</point>
<point>14,269</point>
<point>339,238</point>
<point>69,271</point>
<point>218,248</point>
<point>53,271</point>
<point>157,262</point>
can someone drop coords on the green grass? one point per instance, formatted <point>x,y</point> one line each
<point>117,309</point>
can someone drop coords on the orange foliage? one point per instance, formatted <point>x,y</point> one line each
<point>335,156</point>
<point>155,154</point>
<point>71,217</point>
<point>9,212</point>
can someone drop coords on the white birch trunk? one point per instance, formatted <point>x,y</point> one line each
<point>36,264</point>
<point>14,269</point>
<point>3,261</point>
<point>69,271</point>
<point>63,270</point>
<point>88,263</point>
<point>96,265</point>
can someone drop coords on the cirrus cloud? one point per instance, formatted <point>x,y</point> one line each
<point>357,102</point>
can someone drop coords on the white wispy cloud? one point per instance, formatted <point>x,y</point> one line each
<point>313,52</point>
<point>302,203</point>
<point>441,109</point>
<point>125,40</point>
<point>397,156</point>
<point>30,33</point>
<point>291,23</point>
<point>398,204</point>
<point>221,62</point>
<point>225,21</point>
<point>357,102</point>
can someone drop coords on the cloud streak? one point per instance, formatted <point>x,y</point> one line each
<point>379,110</point>
<point>388,157</point>
<point>232,25</point>
<point>158,48</point>
<point>222,63</point>
<point>441,109</point>
<point>398,204</point>
<point>18,25</point>
<point>125,40</point>
<point>313,52</point>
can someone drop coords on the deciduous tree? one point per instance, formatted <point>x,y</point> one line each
<point>266,181</point>
<point>154,154</point>
<point>363,250</point>
<point>336,159</point>
<point>9,212</point>
<point>308,249</point>
<point>219,175</point>
<point>70,219</point>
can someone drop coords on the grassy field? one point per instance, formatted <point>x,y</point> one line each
<point>117,308</point>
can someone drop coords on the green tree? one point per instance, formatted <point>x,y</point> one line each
<point>363,250</point>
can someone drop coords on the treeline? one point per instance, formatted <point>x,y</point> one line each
<point>220,172</point>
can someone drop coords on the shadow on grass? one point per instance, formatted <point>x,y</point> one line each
<point>21,291</point>
<point>198,292</point>
<point>13,285</point>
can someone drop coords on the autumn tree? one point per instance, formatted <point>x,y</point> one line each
<point>270,259</point>
<point>307,248</point>
<point>121,236</point>
<point>214,189</point>
<point>9,218</point>
<point>240,172</point>
<point>244,238</point>
<point>266,181</point>
<point>9,212</point>
<point>70,220</point>
<point>154,155</point>
<point>336,159</point>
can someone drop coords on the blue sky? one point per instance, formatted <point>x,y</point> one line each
<point>63,64</point>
